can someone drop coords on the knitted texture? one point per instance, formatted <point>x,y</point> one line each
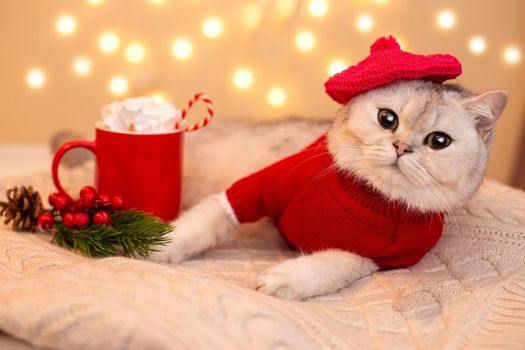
<point>316,207</point>
<point>388,63</point>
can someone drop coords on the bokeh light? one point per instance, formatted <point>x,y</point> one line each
<point>402,43</point>
<point>243,78</point>
<point>252,16</point>
<point>36,78</point>
<point>109,42</point>
<point>446,19</point>
<point>276,97</point>
<point>285,8</point>
<point>364,23</point>
<point>337,66</point>
<point>135,53</point>
<point>305,41</point>
<point>318,8</point>
<point>82,66</point>
<point>118,85</point>
<point>66,25</point>
<point>512,55</point>
<point>212,27</point>
<point>159,97</point>
<point>477,45</point>
<point>95,2</point>
<point>182,48</point>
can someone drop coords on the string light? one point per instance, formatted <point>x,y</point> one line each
<point>66,25</point>
<point>212,27</point>
<point>318,8</point>
<point>135,53</point>
<point>82,66</point>
<point>109,42</point>
<point>243,78</point>
<point>276,97</point>
<point>182,48</point>
<point>337,66</point>
<point>446,19</point>
<point>512,55</point>
<point>118,85</point>
<point>477,45</point>
<point>35,78</point>
<point>305,41</point>
<point>364,23</point>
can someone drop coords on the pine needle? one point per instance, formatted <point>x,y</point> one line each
<point>133,231</point>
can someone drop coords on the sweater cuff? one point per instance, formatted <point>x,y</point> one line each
<point>226,206</point>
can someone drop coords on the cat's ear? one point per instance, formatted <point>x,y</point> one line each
<point>486,108</point>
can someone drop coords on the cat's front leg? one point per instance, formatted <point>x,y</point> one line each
<point>202,227</point>
<point>312,275</point>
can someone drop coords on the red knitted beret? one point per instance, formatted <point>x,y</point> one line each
<point>387,63</point>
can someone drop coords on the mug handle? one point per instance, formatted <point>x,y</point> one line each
<point>90,145</point>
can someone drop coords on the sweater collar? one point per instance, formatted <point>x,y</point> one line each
<point>361,193</point>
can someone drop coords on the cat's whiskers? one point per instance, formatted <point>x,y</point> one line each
<point>320,154</point>
<point>440,192</point>
<point>435,179</point>
<point>430,187</point>
<point>382,154</point>
<point>354,140</point>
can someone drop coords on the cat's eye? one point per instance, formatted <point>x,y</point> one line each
<point>438,140</point>
<point>387,119</point>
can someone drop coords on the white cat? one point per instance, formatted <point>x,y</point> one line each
<point>422,144</point>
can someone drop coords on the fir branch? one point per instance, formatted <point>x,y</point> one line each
<point>92,241</point>
<point>133,231</point>
<point>140,231</point>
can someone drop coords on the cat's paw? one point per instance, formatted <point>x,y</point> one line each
<point>173,252</point>
<point>203,227</point>
<point>281,281</point>
<point>315,274</point>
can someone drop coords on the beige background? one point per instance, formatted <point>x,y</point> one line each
<point>29,39</point>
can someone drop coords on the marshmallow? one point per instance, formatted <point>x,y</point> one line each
<point>141,115</point>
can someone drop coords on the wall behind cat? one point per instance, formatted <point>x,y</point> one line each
<point>259,60</point>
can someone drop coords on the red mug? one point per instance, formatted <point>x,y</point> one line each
<point>145,169</point>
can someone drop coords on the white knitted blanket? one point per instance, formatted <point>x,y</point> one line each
<point>467,293</point>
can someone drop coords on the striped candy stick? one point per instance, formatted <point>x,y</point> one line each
<point>209,109</point>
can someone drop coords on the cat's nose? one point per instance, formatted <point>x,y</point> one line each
<point>402,148</point>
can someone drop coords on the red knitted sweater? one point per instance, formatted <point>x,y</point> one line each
<point>316,207</point>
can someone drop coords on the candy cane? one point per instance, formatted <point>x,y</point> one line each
<point>191,102</point>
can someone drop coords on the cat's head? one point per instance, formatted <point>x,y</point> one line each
<point>418,142</point>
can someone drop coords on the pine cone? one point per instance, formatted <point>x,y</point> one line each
<point>23,207</point>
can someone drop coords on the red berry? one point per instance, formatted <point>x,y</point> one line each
<point>46,221</point>
<point>102,200</point>
<point>52,198</point>
<point>60,202</point>
<point>117,202</point>
<point>102,217</point>
<point>80,219</point>
<point>87,190</point>
<point>69,219</point>
<point>88,199</point>
<point>77,207</point>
